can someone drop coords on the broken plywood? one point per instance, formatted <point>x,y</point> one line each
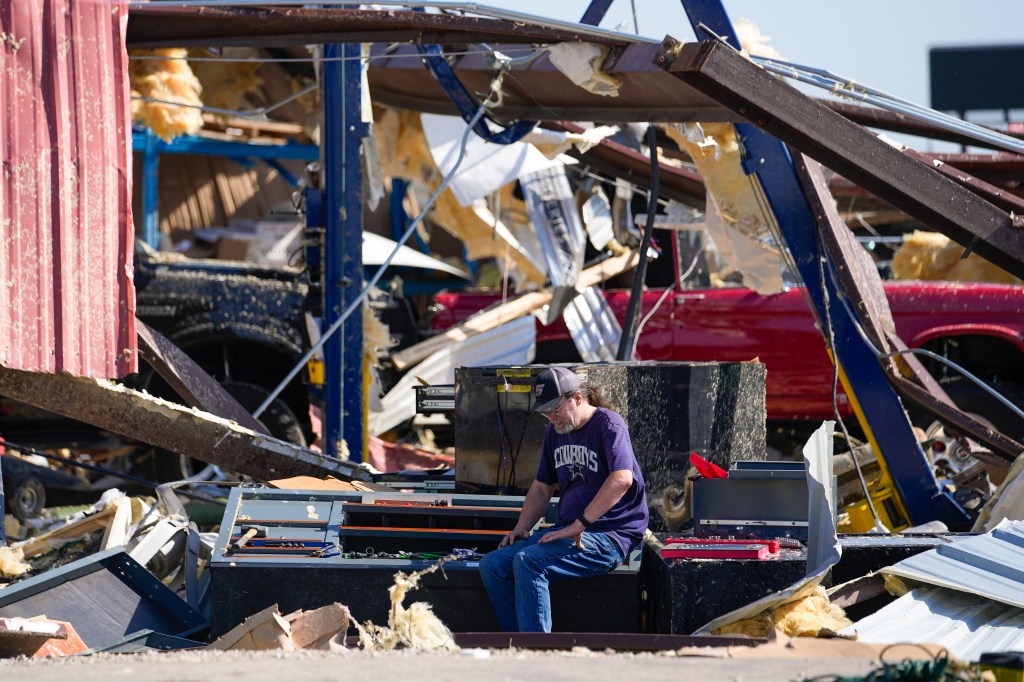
<point>510,311</point>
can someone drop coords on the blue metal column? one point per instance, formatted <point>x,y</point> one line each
<point>151,190</point>
<point>884,419</point>
<point>343,130</point>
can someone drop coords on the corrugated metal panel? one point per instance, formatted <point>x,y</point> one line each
<point>988,565</point>
<point>966,625</point>
<point>67,302</point>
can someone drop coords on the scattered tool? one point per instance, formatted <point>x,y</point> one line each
<point>248,533</point>
<point>719,548</point>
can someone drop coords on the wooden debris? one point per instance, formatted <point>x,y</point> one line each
<point>268,629</point>
<point>512,310</point>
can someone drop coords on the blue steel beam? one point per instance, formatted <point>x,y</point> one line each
<point>190,144</point>
<point>882,415</point>
<point>343,417</point>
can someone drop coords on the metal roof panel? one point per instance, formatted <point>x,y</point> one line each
<point>67,304</point>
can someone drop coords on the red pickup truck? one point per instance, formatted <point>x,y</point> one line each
<point>978,326</point>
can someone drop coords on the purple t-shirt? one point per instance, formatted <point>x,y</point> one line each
<point>580,461</point>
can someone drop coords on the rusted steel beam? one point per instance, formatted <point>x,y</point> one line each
<point>172,427</point>
<point>955,171</point>
<point>164,25</point>
<point>863,285</point>
<point>899,123</point>
<point>848,149</point>
<point>190,381</point>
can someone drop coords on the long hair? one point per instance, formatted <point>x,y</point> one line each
<point>595,397</point>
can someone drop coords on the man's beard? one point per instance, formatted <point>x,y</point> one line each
<point>564,427</point>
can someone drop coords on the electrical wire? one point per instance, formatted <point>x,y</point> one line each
<point>323,60</point>
<point>927,353</point>
<point>27,449</point>
<point>495,83</point>
<point>830,338</point>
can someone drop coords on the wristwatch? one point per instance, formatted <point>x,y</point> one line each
<point>583,519</point>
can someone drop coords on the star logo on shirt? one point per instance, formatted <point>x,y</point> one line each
<point>575,471</point>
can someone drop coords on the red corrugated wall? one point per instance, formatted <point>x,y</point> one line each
<point>67,299</point>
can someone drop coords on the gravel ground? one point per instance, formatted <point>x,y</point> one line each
<point>469,665</point>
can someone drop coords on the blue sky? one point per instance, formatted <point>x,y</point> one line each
<point>882,44</point>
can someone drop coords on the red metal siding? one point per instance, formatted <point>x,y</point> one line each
<point>67,300</point>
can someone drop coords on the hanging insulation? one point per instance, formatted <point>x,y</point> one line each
<point>226,85</point>
<point>168,80</point>
<point>934,256</point>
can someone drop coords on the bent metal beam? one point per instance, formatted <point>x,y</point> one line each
<point>848,149</point>
<point>173,427</point>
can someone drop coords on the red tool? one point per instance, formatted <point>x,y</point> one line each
<point>706,468</point>
<point>718,548</point>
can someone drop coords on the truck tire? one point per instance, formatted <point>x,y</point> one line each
<point>279,419</point>
<point>27,498</point>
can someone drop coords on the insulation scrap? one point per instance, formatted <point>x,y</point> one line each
<point>170,80</point>
<point>745,234</point>
<point>376,336</point>
<point>415,627</point>
<point>895,585</point>
<point>753,41</point>
<point>580,63</point>
<point>934,256</point>
<point>404,153</point>
<point>12,562</point>
<point>809,616</point>
<point>227,84</point>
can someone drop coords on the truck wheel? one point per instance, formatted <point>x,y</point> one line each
<point>27,498</point>
<point>279,419</point>
<point>975,401</point>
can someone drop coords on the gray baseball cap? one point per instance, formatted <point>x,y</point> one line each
<point>551,385</point>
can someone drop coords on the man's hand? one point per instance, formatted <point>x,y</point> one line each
<point>516,533</point>
<point>573,531</point>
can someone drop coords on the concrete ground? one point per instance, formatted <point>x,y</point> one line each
<point>472,665</point>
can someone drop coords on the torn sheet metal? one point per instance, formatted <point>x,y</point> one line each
<point>552,207</point>
<point>67,303</point>
<point>826,549</point>
<point>486,166</point>
<point>989,565</point>
<point>593,326</point>
<point>966,625</point>
<point>513,343</point>
<point>105,596</point>
<point>581,63</point>
<point>738,219</point>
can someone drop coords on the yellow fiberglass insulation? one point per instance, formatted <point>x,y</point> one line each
<point>934,256</point>
<point>12,562</point>
<point>376,336</point>
<point>404,153</point>
<point>415,627</point>
<point>226,84</point>
<point>171,81</point>
<point>809,616</point>
<point>747,241</point>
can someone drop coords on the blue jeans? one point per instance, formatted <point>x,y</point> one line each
<point>517,576</point>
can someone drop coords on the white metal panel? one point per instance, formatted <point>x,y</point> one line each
<point>989,565</point>
<point>511,344</point>
<point>593,327</point>
<point>967,625</point>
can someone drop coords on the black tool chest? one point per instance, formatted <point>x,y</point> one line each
<point>302,549</point>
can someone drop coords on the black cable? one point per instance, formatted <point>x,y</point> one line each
<point>627,340</point>
<point>102,470</point>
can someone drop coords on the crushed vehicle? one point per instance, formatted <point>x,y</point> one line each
<point>978,326</point>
